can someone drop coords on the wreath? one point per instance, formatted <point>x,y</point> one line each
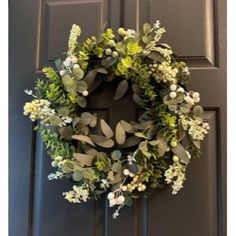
<point>125,163</point>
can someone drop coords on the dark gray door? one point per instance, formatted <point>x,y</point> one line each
<point>38,34</point>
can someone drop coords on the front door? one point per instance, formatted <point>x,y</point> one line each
<point>38,34</point>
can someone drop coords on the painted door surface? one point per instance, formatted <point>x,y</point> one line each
<point>38,34</point>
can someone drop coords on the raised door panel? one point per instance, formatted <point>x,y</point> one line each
<point>194,30</point>
<point>51,214</point>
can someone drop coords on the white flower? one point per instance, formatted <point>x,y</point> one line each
<point>175,175</point>
<point>167,72</point>
<point>78,194</point>
<point>62,72</point>
<point>104,184</point>
<point>156,25</point>
<point>112,202</point>
<point>56,175</point>
<point>120,200</point>
<point>29,92</point>
<point>196,128</point>
<point>67,62</point>
<point>110,196</point>
<point>130,33</point>
<point>74,34</point>
<point>115,214</point>
<point>189,100</point>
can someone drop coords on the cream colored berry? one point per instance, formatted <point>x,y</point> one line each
<point>126,172</point>
<point>131,175</point>
<point>110,195</point>
<point>173,94</point>
<point>124,188</point>
<point>85,93</point>
<point>175,158</point>
<point>173,87</point>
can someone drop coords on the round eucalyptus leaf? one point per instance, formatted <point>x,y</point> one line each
<point>133,168</point>
<point>116,167</point>
<point>116,155</point>
<point>86,118</point>
<point>82,102</point>
<point>77,176</point>
<point>78,73</point>
<point>82,86</point>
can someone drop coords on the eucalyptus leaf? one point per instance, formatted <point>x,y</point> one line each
<point>78,73</point>
<point>89,151</point>
<point>121,90</point>
<point>106,129</point>
<point>92,152</point>
<point>110,176</point>
<point>102,70</point>
<point>127,126</point>
<point>75,121</point>
<point>131,141</point>
<point>140,135</point>
<point>147,39</point>
<point>77,176</point>
<point>143,125</point>
<point>89,78</point>
<point>136,89</point>
<point>94,120</point>
<point>82,102</point>
<point>162,147</point>
<point>95,85</point>
<point>198,111</point>
<point>120,134</point>
<point>67,166</point>
<point>116,178</point>
<point>185,108</point>
<point>82,85</point>
<point>84,129</point>
<point>197,144</point>
<point>181,153</point>
<point>143,146</point>
<point>83,138</point>
<point>120,47</point>
<point>86,118</point>
<point>102,141</point>
<point>64,111</point>
<point>116,167</point>
<point>58,64</point>
<point>109,61</point>
<point>88,173</point>
<point>180,97</point>
<point>84,159</point>
<point>133,168</point>
<point>55,120</point>
<point>147,28</point>
<point>65,132</point>
<point>137,99</point>
<point>116,155</point>
<point>181,133</point>
<point>156,57</point>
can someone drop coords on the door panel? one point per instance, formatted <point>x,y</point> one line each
<point>38,34</point>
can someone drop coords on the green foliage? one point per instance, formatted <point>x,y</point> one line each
<point>54,143</point>
<point>103,163</point>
